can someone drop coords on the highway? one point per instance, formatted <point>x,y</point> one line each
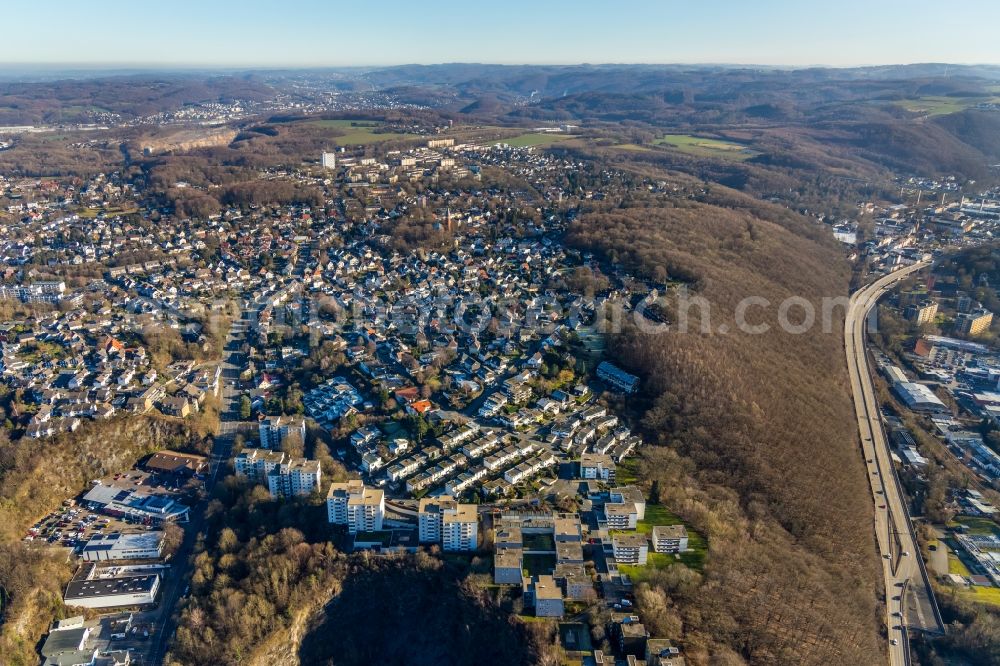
<point>909,600</point>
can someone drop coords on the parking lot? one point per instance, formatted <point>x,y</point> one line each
<point>73,525</point>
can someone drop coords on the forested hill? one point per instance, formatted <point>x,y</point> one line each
<point>768,464</point>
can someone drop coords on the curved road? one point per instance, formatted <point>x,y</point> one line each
<point>909,600</point>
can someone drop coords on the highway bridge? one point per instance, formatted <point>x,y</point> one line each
<point>909,599</point>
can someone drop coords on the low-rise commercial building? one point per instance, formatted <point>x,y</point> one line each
<point>116,546</point>
<point>113,592</point>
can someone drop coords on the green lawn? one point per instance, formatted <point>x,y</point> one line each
<point>955,565</point>
<point>539,565</point>
<point>627,472</point>
<point>693,557</point>
<point>979,526</point>
<point>358,132</point>
<point>534,139</point>
<point>933,105</point>
<point>703,147</point>
<point>539,542</point>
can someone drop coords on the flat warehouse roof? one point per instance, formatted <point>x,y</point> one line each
<point>106,587</point>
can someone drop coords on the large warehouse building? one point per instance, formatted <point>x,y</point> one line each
<point>113,592</point>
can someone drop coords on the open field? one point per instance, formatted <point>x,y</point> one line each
<point>981,595</point>
<point>941,106</point>
<point>358,132</point>
<point>540,139</point>
<point>702,147</point>
<point>634,147</point>
<point>91,213</point>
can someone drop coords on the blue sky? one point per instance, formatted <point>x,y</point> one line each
<point>248,33</point>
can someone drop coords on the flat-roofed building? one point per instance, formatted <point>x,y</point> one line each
<point>354,504</point>
<point>630,548</point>
<point>548,597</point>
<point>569,552</point>
<point>621,516</point>
<point>117,546</point>
<point>508,565</point>
<point>295,477</point>
<point>630,494</point>
<point>567,527</point>
<point>973,323</point>
<point>443,520</point>
<point>274,430</point>
<point>114,500</point>
<point>113,592</point>
<point>670,538</point>
<point>597,466</point>
<point>922,313</point>
<point>631,636</point>
<point>575,582</point>
<point>256,464</point>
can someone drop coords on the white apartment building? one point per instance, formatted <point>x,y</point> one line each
<point>443,520</point>
<point>295,477</point>
<point>274,430</point>
<point>630,548</point>
<point>353,504</point>
<point>633,494</point>
<point>257,464</point>
<point>670,538</point>
<point>597,466</point>
<point>621,516</point>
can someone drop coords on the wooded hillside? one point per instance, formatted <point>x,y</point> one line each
<point>35,478</point>
<point>768,462</point>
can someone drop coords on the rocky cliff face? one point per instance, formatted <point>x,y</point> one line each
<point>187,140</point>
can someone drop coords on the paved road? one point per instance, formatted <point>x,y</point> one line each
<point>909,602</point>
<point>177,581</point>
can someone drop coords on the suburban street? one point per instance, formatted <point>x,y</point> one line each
<point>909,602</point>
<point>176,584</point>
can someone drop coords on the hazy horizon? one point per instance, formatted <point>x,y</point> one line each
<point>308,34</point>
